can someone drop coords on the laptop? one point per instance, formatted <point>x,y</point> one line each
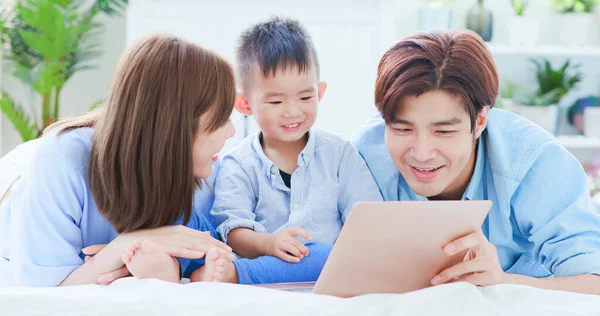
<point>393,247</point>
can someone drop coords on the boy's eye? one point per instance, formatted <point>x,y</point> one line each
<point>306,98</point>
<point>446,132</point>
<point>274,102</point>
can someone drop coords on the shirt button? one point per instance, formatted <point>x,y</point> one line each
<point>274,169</point>
<point>296,206</point>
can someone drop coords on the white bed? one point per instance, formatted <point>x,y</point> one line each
<point>130,296</point>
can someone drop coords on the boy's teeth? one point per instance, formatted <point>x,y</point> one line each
<point>291,126</point>
<point>426,170</point>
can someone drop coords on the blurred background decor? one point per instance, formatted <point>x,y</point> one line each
<point>577,21</point>
<point>542,107</point>
<point>46,43</point>
<point>481,20</point>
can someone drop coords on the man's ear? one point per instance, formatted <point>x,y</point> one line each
<point>481,121</point>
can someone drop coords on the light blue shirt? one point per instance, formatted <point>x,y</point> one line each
<point>331,177</point>
<point>542,221</point>
<point>51,214</point>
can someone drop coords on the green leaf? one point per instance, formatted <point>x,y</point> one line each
<point>47,41</point>
<point>554,83</point>
<point>19,120</point>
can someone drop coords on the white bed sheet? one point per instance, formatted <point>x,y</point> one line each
<point>130,296</point>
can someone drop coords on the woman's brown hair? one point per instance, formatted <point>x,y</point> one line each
<point>457,62</point>
<point>140,167</point>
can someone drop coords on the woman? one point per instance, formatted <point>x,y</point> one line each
<point>131,170</point>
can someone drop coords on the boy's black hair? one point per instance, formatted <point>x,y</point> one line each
<point>276,44</point>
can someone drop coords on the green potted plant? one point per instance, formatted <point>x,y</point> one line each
<point>553,84</point>
<point>523,30</point>
<point>507,94</point>
<point>46,42</point>
<point>578,21</point>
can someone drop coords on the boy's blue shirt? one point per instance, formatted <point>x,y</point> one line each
<point>331,177</point>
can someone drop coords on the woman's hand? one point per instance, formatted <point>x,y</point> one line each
<point>480,265</point>
<point>110,277</point>
<point>178,241</point>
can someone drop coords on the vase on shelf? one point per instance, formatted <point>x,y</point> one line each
<point>480,20</point>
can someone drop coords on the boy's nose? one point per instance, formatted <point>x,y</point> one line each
<point>291,111</point>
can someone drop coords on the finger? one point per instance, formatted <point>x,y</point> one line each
<point>297,231</point>
<point>479,279</point>
<point>464,243</point>
<point>203,235</point>
<point>289,248</point>
<point>229,256</point>
<point>302,248</point>
<point>92,250</point>
<point>87,258</point>
<point>182,252</point>
<point>460,269</point>
<point>108,278</point>
<point>285,257</point>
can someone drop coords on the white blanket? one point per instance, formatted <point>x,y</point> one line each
<point>152,297</point>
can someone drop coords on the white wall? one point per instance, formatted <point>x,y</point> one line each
<point>82,90</point>
<point>344,31</point>
<point>350,38</point>
<point>346,34</point>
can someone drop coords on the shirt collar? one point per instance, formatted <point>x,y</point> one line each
<point>269,167</point>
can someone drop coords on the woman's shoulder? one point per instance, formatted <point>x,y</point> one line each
<point>65,148</point>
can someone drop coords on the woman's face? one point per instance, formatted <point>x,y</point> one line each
<point>206,147</point>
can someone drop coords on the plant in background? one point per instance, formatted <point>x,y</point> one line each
<point>576,6</point>
<point>519,6</point>
<point>553,83</point>
<point>507,94</point>
<point>47,41</point>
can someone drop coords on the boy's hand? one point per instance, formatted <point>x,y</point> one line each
<point>285,246</point>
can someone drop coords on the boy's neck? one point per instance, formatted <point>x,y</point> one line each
<point>284,154</point>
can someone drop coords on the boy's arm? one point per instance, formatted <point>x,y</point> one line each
<point>356,181</point>
<point>248,243</point>
<point>233,211</point>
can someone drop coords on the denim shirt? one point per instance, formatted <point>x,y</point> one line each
<point>542,221</point>
<point>331,177</point>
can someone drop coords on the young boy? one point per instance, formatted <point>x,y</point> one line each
<point>290,182</point>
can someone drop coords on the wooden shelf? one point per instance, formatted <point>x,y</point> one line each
<point>579,142</point>
<point>502,49</point>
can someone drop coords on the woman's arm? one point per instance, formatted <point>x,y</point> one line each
<point>177,241</point>
<point>586,284</point>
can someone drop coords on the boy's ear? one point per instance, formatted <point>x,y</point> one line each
<point>322,88</point>
<point>242,105</point>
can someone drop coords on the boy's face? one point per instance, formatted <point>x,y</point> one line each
<point>285,105</point>
<point>431,143</point>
